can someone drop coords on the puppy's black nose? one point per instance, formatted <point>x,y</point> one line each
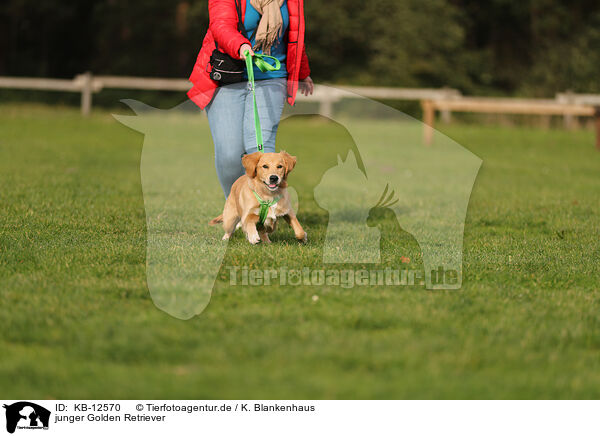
<point>273,179</point>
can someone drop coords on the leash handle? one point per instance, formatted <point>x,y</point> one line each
<point>264,66</point>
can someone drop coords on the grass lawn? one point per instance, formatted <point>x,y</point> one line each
<point>77,321</point>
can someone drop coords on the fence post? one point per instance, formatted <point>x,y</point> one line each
<point>568,119</point>
<point>326,97</point>
<point>86,93</point>
<point>446,114</point>
<point>428,118</point>
<point>326,107</point>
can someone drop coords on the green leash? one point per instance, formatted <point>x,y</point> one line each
<point>264,66</point>
<point>264,206</point>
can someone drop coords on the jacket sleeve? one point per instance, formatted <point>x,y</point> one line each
<point>304,67</point>
<point>223,24</point>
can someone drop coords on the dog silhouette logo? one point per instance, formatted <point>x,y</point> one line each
<point>26,415</point>
<point>374,166</point>
<point>345,193</point>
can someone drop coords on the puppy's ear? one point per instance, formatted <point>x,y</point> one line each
<point>250,161</point>
<point>289,161</point>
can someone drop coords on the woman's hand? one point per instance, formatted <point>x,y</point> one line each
<point>306,86</point>
<point>243,49</point>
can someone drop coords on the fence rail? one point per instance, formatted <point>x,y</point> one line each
<point>87,85</point>
<point>507,106</point>
<point>445,100</point>
<point>40,84</point>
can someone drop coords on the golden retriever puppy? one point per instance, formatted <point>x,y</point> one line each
<point>265,182</point>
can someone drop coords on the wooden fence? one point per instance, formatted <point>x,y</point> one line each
<point>87,85</point>
<point>565,108</point>
<point>445,100</point>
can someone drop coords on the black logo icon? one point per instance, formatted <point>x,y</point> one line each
<point>26,415</point>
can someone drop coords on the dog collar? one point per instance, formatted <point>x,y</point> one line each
<point>264,206</point>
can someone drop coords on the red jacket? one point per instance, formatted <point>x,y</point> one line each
<point>223,28</point>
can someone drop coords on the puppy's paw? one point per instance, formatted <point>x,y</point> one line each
<point>226,237</point>
<point>265,238</point>
<point>303,239</point>
<point>254,239</point>
<point>269,225</point>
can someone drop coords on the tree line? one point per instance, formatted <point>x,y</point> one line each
<point>504,47</point>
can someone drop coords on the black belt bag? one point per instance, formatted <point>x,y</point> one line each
<point>225,69</point>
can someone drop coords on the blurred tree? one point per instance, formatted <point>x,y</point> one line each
<point>45,38</point>
<point>150,38</point>
<point>386,42</point>
<point>567,55</point>
<point>534,47</point>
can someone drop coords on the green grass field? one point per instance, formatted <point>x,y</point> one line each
<point>77,320</point>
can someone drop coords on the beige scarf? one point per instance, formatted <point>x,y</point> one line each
<point>270,25</point>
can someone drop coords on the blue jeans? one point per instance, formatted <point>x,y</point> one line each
<point>231,119</point>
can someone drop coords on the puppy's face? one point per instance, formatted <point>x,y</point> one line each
<point>271,169</point>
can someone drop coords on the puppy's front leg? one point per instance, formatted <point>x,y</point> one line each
<point>298,230</point>
<point>264,236</point>
<point>249,226</point>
